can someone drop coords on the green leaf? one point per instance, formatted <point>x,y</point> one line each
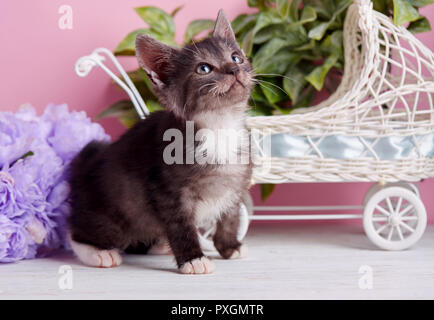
<point>420,25</point>
<point>129,119</point>
<point>127,47</point>
<point>403,12</point>
<point>420,3</point>
<point>305,98</point>
<point>243,21</point>
<point>157,20</point>
<point>176,10</point>
<point>259,109</point>
<point>342,5</point>
<point>307,46</point>
<point>293,83</point>
<point>280,62</point>
<point>293,10</point>
<point>333,44</point>
<point>256,4</point>
<point>295,35</point>
<point>141,81</point>
<point>27,154</point>
<point>266,190</point>
<point>318,32</point>
<point>153,105</point>
<point>272,91</point>
<point>324,9</point>
<point>197,26</point>
<point>317,76</point>
<point>283,7</point>
<point>272,31</point>
<point>116,109</point>
<point>308,14</point>
<point>257,94</point>
<point>265,53</point>
<point>124,111</point>
<point>266,19</point>
<point>247,43</point>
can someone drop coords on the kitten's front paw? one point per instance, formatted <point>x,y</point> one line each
<point>107,259</point>
<point>198,266</point>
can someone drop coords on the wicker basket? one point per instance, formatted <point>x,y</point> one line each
<point>371,105</point>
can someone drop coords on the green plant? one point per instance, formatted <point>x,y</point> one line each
<point>295,47</point>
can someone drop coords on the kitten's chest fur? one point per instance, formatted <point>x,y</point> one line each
<point>221,184</point>
<point>223,137</point>
<point>217,192</point>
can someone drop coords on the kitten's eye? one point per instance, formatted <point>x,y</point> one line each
<point>237,59</point>
<point>204,68</point>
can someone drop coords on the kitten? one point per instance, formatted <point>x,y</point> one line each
<point>126,197</point>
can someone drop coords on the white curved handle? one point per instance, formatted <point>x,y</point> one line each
<point>84,65</point>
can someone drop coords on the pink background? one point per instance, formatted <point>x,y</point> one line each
<point>37,66</point>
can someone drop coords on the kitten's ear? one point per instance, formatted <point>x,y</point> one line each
<point>223,28</point>
<point>155,58</point>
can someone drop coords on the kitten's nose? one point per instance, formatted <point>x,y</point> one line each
<point>232,69</point>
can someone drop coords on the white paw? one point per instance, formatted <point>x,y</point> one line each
<point>106,258</point>
<point>95,257</point>
<point>240,253</point>
<point>198,266</point>
<point>161,248</point>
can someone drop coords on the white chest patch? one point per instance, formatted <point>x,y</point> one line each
<point>222,139</point>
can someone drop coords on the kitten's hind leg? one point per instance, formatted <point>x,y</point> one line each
<point>225,237</point>
<point>161,247</point>
<point>95,257</point>
<point>157,247</point>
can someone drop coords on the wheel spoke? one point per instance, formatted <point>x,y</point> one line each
<point>398,228</point>
<point>390,233</point>
<point>379,230</point>
<point>382,210</point>
<point>406,226</point>
<point>398,205</point>
<point>379,219</point>
<point>389,205</point>
<point>408,218</point>
<point>406,210</point>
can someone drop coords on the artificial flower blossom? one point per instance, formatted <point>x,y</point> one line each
<point>34,156</point>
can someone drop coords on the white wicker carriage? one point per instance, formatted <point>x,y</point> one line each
<point>377,127</point>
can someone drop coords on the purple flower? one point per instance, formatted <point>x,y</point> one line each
<point>34,190</point>
<point>19,133</point>
<point>8,206</point>
<point>71,131</point>
<point>13,240</point>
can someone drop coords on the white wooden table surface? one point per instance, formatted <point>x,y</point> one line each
<point>286,261</point>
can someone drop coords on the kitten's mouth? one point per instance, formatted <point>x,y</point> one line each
<point>234,84</point>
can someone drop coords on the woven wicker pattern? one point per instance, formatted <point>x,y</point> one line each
<point>387,90</point>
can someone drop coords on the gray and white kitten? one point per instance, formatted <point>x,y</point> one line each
<point>126,197</point>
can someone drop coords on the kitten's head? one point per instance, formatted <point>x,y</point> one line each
<point>213,74</point>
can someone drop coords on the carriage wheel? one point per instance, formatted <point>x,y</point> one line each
<point>376,187</point>
<point>394,218</point>
<point>206,233</point>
